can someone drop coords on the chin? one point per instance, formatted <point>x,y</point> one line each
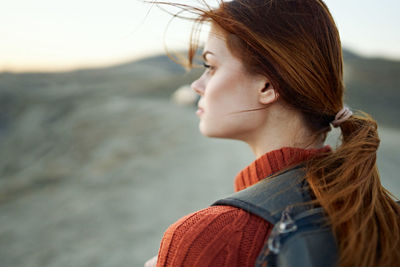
<point>207,131</point>
<point>214,132</point>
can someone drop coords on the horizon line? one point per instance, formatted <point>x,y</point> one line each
<point>117,62</point>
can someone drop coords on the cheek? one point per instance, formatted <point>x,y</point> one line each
<point>224,94</point>
<point>224,114</point>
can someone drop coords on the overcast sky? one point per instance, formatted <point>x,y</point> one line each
<point>66,34</point>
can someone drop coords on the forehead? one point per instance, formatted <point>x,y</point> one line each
<point>216,44</point>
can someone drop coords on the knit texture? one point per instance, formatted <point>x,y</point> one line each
<point>225,235</point>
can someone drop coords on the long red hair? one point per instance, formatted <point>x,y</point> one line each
<point>296,44</point>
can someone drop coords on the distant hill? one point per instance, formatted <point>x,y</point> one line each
<point>372,85</point>
<point>156,76</point>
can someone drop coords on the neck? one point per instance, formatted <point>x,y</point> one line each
<point>283,127</point>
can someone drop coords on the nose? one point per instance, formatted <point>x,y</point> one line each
<point>198,87</point>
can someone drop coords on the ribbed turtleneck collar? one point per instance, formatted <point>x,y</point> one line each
<point>272,162</point>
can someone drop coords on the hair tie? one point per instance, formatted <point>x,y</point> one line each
<point>342,116</point>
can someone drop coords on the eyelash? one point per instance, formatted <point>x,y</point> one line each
<point>207,66</point>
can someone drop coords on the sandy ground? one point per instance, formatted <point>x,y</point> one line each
<point>113,209</point>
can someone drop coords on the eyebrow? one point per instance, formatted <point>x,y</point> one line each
<point>205,53</point>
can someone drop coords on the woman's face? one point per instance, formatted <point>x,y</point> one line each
<point>226,89</point>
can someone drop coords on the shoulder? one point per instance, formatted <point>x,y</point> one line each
<point>210,217</point>
<point>217,233</point>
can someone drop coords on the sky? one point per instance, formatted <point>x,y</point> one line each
<point>57,35</point>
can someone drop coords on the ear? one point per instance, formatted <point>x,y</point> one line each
<point>268,95</point>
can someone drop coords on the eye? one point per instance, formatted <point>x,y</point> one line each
<point>208,66</point>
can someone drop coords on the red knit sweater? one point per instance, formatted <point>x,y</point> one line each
<point>225,235</point>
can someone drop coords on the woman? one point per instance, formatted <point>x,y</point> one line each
<point>274,80</point>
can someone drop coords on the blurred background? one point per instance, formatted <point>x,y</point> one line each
<point>99,144</point>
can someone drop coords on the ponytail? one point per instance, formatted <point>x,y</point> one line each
<point>346,183</point>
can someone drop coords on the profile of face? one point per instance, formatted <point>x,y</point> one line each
<point>226,88</point>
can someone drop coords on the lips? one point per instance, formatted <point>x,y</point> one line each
<point>199,105</point>
<point>200,110</point>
